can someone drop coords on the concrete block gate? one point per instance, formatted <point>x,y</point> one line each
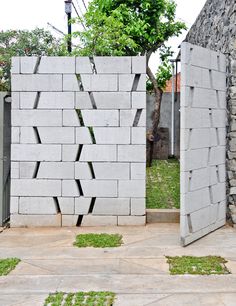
<point>79,141</point>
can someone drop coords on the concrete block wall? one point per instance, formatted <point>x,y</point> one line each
<point>78,141</point>
<point>203,141</point>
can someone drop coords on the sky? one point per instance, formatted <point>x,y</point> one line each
<point>28,14</point>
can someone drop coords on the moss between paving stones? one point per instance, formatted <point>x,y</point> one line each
<point>206,265</point>
<point>98,240</point>
<point>7,265</point>
<point>91,298</point>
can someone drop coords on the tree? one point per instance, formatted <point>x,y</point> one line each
<point>131,27</point>
<point>37,42</point>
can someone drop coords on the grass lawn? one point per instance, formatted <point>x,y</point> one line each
<point>163,184</point>
<point>206,265</point>
<point>98,240</point>
<point>7,265</point>
<point>80,299</point>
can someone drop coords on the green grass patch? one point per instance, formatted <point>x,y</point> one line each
<point>163,184</point>
<point>91,298</point>
<point>7,265</point>
<point>206,265</point>
<point>98,240</point>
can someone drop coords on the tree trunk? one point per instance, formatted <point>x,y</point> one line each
<point>152,134</point>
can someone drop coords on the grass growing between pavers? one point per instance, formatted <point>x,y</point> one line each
<point>98,240</point>
<point>92,298</point>
<point>163,184</point>
<point>7,265</point>
<point>205,265</point>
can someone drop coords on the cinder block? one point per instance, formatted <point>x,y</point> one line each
<point>202,97</point>
<point>14,205</point>
<point>69,220</point>
<point>142,119</point>
<point>139,64</point>
<point>28,100</point>
<point>82,171</point>
<point>126,82</point>
<point>83,65</point>
<point>142,83</point>
<point>222,173</point>
<point>56,100</point>
<point>112,100</point>
<point>35,152</point>
<point>219,80</point>
<point>82,100</point>
<point>67,205</point>
<point>70,82</point>
<point>200,219</point>
<point>15,64</point>
<point>70,118</point>
<point>70,188</point>
<point>112,135</point>
<point>131,220</point>
<point>57,64</point>
<point>15,100</point>
<point>213,175</point>
<point>195,118</point>
<point>221,136</point>
<point>69,152</point>
<point>57,135</point>
<point>109,171</point>
<point>56,170</point>
<point>90,220</point>
<point>194,76</point>
<point>100,117</point>
<point>99,188</point>
<point>99,82</point>
<point>194,159</point>
<point>15,135</point>
<point>82,205</point>
<point>138,135</point>
<point>36,118</point>
<point>138,171</point>
<point>35,188</point>
<point>218,192</point>
<point>36,82</point>
<point>15,170</point>
<point>100,153</point>
<point>28,64</point>
<point>112,207</point>
<point>28,169</point>
<point>82,136</point>
<point>202,138</point>
<point>113,64</point>
<point>217,155</point>
<point>219,118</point>
<point>37,206</point>
<point>132,153</point>
<point>132,188</point>
<point>138,99</point>
<point>199,179</point>
<point>127,117</point>
<point>28,135</point>
<point>35,221</point>
<point>192,201</point>
<point>138,206</point>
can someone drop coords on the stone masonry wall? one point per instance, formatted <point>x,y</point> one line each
<point>215,28</point>
<point>78,141</point>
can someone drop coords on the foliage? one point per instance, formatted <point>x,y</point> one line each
<point>98,240</point>
<point>164,72</point>
<point>92,298</point>
<point>197,265</point>
<point>163,184</point>
<point>130,27</point>
<point>7,265</point>
<point>37,42</point>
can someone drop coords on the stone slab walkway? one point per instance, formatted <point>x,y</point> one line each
<point>137,272</point>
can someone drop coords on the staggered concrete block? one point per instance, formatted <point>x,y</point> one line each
<point>79,141</point>
<point>203,143</point>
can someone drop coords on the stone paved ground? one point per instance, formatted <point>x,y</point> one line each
<point>137,271</point>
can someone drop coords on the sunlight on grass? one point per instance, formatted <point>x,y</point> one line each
<point>98,240</point>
